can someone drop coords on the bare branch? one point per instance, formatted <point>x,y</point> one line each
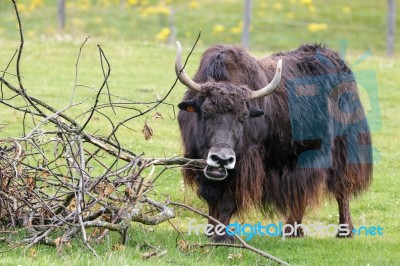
<point>76,70</point>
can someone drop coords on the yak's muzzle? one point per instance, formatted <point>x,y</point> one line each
<point>219,159</point>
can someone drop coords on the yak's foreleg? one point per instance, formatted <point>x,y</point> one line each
<point>226,207</point>
<point>213,210</point>
<point>295,218</point>
<point>212,195</point>
<point>221,206</point>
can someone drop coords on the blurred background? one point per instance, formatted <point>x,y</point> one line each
<point>258,24</point>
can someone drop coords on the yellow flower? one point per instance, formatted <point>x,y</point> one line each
<point>2,30</point>
<point>35,4</point>
<point>98,20</point>
<point>109,31</point>
<point>105,3</point>
<point>194,5</point>
<point>152,10</point>
<point>163,34</point>
<point>132,2</point>
<point>163,10</point>
<point>306,2</point>
<point>238,29</point>
<point>70,4</point>
<point>278,6</point>
<point>263,5</point>
<point>21,8</point>
<point>315,27</point>
<point>144,12</point>
<point>290,15</point>
<point>346,9</point>
<point>113,31</point>
<point>218,28</point>
<point>188,34</point>
<point>312,9</point>
<point>228,39</point>
<point>84,4</point>
<point>51,30</point>
<point>31,33</point>
<point>261,14</point>
<point>77,22</point>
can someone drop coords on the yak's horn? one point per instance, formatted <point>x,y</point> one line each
<point>271,86</point>
<point>182,76</point>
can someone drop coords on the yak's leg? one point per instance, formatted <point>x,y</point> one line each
<point>226,207</point>
<point>342,195</point>
<point>295,218</point>
<point>213,210</point>
<point>212,195</point>
<point>344,214</point>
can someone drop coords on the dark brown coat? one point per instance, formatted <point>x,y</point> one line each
<point>312,138</point>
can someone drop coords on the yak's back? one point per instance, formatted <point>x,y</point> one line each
<point>313,59</point>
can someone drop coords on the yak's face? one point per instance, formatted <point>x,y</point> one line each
<point>222,110</point>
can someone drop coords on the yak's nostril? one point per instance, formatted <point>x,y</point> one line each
<point>215,158</point>
<point>222,161</point>
<point>221,157</point>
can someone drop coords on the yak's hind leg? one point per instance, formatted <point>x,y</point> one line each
<point>351,175</point>
<point>340,186</point>
<point>344,215</point>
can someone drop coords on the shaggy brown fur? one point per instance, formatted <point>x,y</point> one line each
<point>268,173</point>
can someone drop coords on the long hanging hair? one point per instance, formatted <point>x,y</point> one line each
<point>267,174</point>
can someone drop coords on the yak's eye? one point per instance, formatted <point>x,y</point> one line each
<point>207,110</point>
<point>243,117</point>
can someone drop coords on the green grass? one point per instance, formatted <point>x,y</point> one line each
<point>142,69</point>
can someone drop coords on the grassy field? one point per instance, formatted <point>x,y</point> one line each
<point>142,69</point>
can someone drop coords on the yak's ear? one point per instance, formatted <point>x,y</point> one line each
<point>189,106</point>
<point>256,112</point>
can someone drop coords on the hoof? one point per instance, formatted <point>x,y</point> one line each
<point>350,235</point>
<point>299,233</point>
<point>344,235</point>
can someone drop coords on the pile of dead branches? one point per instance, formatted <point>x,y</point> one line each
<point>51,188</point>
<point>57,180</point>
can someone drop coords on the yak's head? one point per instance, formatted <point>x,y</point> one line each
<point>222,109</point>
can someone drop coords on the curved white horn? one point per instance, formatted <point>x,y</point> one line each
<point>182,76</point>
<point>271,86</point>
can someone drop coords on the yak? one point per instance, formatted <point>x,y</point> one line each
<point>277,132</point>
